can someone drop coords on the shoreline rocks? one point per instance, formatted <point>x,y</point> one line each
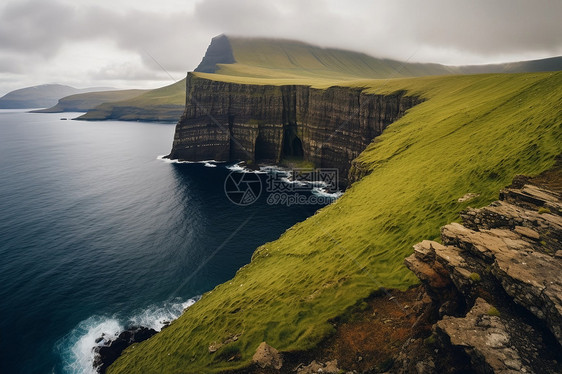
<point>106,354</point>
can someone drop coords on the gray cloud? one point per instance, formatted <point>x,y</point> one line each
<point>481,26</point>
<point>34,34</point>
<point>43,27</point>
<point>481,30</point>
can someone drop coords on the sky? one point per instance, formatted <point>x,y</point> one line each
<point>149,44</point>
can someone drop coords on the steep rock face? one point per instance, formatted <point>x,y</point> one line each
<point>219,52</point>
<point>496,282</point>
<point>264,123</point>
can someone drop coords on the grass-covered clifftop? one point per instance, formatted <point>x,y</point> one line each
<point>286,59</point>
<point>265,58</point>
<point>472,134</point>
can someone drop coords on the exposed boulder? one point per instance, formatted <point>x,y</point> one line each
<point>267,357</point>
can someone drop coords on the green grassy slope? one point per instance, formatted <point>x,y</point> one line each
<point>278,59</point>
<point>162,104</point>
<point>87,101</point>
<point>257,57</point>
<point>472,134</point>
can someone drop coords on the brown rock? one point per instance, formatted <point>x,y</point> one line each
<point>507,253</point>
<point>484,338</point>
<point>330,367</point>
<point>529,233</point>
<point>267,357</point>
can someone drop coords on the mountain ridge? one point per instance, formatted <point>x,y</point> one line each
<point>230,54</point>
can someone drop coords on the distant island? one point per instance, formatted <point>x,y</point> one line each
<point>42,96</point>
<point>84,102</point>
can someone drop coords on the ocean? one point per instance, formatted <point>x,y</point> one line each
<point>97,233</point>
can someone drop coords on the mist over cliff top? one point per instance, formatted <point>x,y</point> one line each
<point>282,58</point>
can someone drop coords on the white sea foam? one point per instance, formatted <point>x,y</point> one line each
<point>155,317</point>
<point>274,169</point>
<point>77,347</point>
<point>171,161</point>
<point>207,163</point>
<point>319,191</point>
<point>238,168</point>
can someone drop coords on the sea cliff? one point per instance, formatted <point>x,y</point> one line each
<point>330,127</point>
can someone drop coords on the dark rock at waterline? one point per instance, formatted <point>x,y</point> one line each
<point>105,355</point>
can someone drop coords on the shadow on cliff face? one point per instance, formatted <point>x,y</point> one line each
<point>292,145</point>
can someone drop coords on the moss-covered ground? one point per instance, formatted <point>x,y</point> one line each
<point>472,134</point>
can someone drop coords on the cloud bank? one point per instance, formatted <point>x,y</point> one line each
<point>125,44</point>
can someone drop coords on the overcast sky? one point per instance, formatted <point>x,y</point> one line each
<point>134,43</point>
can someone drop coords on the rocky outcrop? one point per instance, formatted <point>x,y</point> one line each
<point>264,123</point>
<point>110,350</point>
<point>219,52</point>
<point>496,283</point>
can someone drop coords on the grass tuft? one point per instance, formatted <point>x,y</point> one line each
<point>493,311</point>
<point>475,277</point>
<point>543,210</point>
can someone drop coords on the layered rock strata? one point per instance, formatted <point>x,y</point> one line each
<point>496,284</point>
<point>264,123</point>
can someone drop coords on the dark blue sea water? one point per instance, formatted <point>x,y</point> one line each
<point>96,233</point>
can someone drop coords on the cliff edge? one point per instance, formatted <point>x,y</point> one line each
<point>330,127</point>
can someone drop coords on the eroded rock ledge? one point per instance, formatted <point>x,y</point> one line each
<point>264,123</point>
<point>496,287</point>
